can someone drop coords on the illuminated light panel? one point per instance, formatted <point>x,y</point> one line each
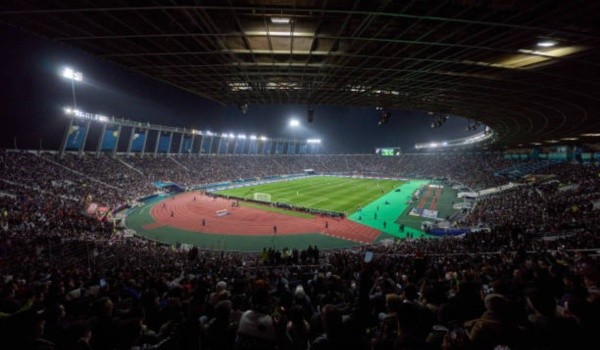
<point>547,43</point>
<point>313,141</point>
<point>569,139</point>
<point>239,86</point>
<point>591,135</point>
<point>527,57</point>
<point>285,33</point>
<point>280,20</point>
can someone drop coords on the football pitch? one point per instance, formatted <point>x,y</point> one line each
<point>338,194</point>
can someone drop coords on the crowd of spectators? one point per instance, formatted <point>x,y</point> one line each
<point>560,202</point>
<point>68,281</point>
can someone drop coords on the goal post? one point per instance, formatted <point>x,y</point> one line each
<point>262,197</point>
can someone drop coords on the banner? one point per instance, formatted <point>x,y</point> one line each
<point>186,144</point>
<point>291,148</point>
<point>101,213</point>
<point>138,141</point>
<point>164,143</point>
<point>425,213</point>
<point>110,138</point>
<point>76,136</point>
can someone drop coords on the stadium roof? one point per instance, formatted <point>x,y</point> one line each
<point>528,69</point>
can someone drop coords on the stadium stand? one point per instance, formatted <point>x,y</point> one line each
<point>70,281</point>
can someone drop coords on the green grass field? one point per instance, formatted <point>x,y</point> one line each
<point>337,194</point>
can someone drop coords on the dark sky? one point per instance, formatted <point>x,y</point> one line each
<point>32,97</point>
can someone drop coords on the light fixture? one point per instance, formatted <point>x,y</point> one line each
<point>440,121</point>
<point>280,20</point>
<point>244,107</point>
<point>546,43</point>
<point>294,123</point>
<point>384,116</point>
<point>69,73</point>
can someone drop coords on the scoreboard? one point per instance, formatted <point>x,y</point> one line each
<point>388,151</point>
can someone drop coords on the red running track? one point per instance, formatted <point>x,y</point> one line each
<point>183,212</point>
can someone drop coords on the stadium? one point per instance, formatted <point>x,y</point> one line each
<point>299,175</point>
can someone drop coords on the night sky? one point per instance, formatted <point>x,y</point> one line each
<point>32,97</point>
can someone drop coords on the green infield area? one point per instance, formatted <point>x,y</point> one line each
<point>339,194</point>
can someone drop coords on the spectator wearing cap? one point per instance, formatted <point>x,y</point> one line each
<point>256,330</point>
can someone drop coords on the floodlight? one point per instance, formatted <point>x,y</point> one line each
<point>433,145</point>
<point>315,141</point>
<point>294,123</point>
<point>241,136</point>
<point>69,73</point>
<point>68,110</point>
<point>546,43</point>
<point>263,138</point>
<point>445,144</point>
<point>232,135</point>
<point>252,137</point>
<point>101,118</point>
<point>280,20</point>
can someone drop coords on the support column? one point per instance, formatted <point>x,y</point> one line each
<point>192,145</point>
<point>170,143</point>
<point>219,145</point>
<point>144,146</point>
<point>63,145</point>
<point>201,143</point>
<point>180,144</point>
<point>210,145</point>
<point>114,151</point>
<point>157,142</point>
<point>99,147</point>
<point>87,130</point>
<point>130,143</point>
